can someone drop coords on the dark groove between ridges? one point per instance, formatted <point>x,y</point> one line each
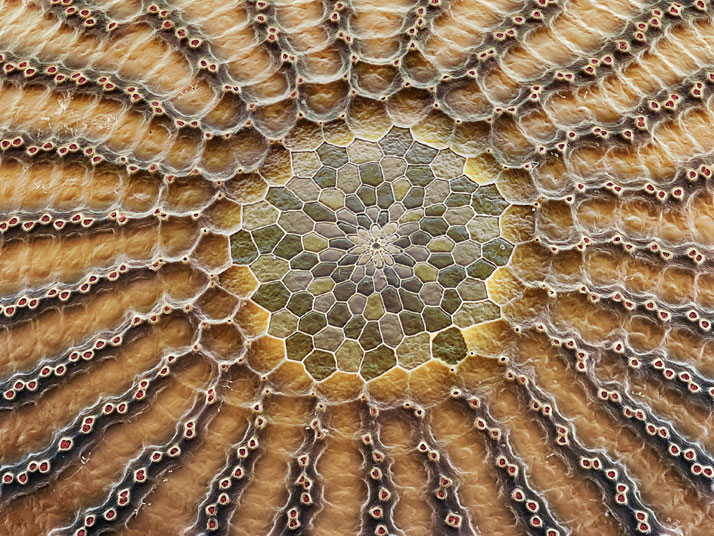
<point>550,85</point>
<point>80,358</point>
<point>228,486</point>
<point>142,474</point>
<point>624,503</point>
<point>304,483</point>
<point>70,443</point>
<point>511,471</point>
<point>450,516</point>
<point>638,416</point>
<point>382,496</point>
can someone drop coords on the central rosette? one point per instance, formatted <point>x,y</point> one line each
<point>374,256</point>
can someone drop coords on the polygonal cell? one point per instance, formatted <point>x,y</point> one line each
<point>332,155</point>
<point>378,361</point>
<point>243,250</point>
<point>449,346</point>
<point>396,142</point>
<point>320,364</point>
<point>498,251</point>
<point>488,200</point>
<point>273,296</point>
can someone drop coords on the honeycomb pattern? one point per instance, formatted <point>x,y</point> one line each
<point>373,253</point>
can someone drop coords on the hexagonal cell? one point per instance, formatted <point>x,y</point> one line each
<point>498,251</point>
<point>449,346</point>
<point>378,361</point>
<point>298,345</point>
<point>371,174</point>
<point>243,250</point>
<point>488,200</point>
<point>420,154</point>
<point>266,238</point>
<point>282,198</point>
<point>282,324</point>
<point>312,322</point>
<point>481,269</point>
<point>272,296</point>
<point>320,364</point>
<point>332,155</point>
<point>471,314</point>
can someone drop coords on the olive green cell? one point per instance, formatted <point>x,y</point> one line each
<point>378,361</point>
<point>368,195</point>
<point>304,261</point>
<point>282,324</point>
<point>371,174</point>
<point>481,269</point>
<point>374,308</point>
<point>269,268</point>
<point>272,296</point>
<point>420,154</point>
<point>471,314</point>
<point>419,175</point>
<point>298,345</point>
<point>354,326</point>
<point>498,251</point>
<point>458,233</point>
<point>385,196</point>
<point>319,212</point>
<point>314,242</point>
<point>441,244</point>
<point>288,247</point>
<point>312,322</point>
<point>321,285</point>
<point>488,200</point>
<point>267,238</point>
<point>434,226</point>
<point>441,260</point>
<point>412,323</point>
<point>410,301</point>
<point>449,346</point>
<point>457,200</point>
<point>332,155</point>
<point>414,198</point>
<point>435,210</point>
<point>435,319</point>
<point>400,187</point>
<point>282,198</point>
<point>320,364</point>
<point>325,178</point>
<point>300,303</point>
<point>396,142</point>
<point>243,250</point>
<point>323,269</point>
<point>425,272</point>
<point>338,315</point>
<point>371,337</point>
<point>451,301</point>
<point>414,351</point>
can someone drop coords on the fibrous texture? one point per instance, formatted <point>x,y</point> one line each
<point>375,267</point>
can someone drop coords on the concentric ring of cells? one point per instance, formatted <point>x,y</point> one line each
<point>374,255</point>
<point>356,267</point>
